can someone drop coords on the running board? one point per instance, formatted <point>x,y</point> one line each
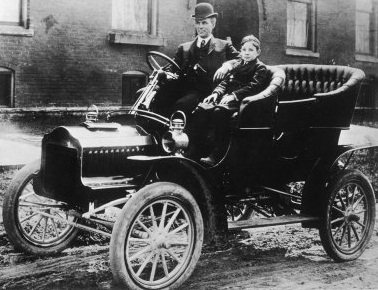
<point>108,182</point>
<point>272,221</point>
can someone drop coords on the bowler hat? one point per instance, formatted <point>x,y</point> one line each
<point>204,10</point>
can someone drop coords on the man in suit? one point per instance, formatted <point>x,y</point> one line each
<point>200,60</point>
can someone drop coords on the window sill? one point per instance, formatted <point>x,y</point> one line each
<point>366,58</point>
<point>127,38</point>
<point>300,52</point>
<point>16,31</point>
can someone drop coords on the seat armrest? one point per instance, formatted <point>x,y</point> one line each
<point>339,91</point>
<point>255,98</point>
<point>298,101</point>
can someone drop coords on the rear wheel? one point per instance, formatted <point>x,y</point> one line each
<point>348,218</point>
<point>157,238</point>
<point>35,224</point>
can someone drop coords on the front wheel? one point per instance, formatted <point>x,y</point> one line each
<point>157,238</point>
<point>348,216</point>
<point>35,224</point>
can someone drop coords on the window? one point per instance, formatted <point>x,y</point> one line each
<point>135,22</point>
<point>301,27</point>
<point>366,27</point>
<point>135,15</point>
<point>13,12</point>
<point>6,87</point>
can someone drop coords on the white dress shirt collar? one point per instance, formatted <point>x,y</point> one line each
<point>199,40</point>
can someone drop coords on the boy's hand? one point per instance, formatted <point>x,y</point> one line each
<point>222,71</point>
<point>210,99</point>
<point>227,99</point>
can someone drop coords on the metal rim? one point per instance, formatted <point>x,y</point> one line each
<point>37,228</point>
<point>159,243</point>
<point>349,217</point>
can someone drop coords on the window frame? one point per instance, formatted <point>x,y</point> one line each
<point>311,49</point>
<point>372,54</point>
<point>23,26</point>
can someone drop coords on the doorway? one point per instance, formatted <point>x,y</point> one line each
<point>6,87</point>
<point>132,81</point>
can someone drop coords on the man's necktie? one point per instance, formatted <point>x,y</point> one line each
<point>203,43</point>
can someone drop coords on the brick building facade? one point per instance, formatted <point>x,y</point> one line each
<point>63,54</point>
<point>73,53</point>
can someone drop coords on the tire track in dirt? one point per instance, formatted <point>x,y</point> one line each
<point>45,273</point>
<point>277,271</point>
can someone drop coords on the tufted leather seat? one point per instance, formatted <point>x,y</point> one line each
<point>318,96</point>
<point>303,81</point>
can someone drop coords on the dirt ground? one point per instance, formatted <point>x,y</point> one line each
<point>285,257</point>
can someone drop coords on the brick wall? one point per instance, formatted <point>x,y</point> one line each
<point>69,60</point>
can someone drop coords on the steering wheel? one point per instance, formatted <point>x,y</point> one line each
<point>155,65</point>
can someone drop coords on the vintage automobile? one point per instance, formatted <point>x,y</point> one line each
<point>127,178</point>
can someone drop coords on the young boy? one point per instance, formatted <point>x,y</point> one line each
<point>248,77</point>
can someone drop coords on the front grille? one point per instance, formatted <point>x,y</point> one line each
<point>60,169</point>
<point>110,161</point>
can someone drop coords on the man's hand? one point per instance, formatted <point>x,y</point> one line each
<point>227,99</point>
<point>171,76</point>
<point>210,99</point>
<point>221,72</point>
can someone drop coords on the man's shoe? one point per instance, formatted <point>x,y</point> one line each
<point>210,160</point>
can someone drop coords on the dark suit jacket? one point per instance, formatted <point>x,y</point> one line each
<point>244,80</point>
<point>219,52</point>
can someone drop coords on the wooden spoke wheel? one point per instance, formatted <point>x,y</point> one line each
<point>348,216</point>
<point>157,238</point>
<point>35,224</point>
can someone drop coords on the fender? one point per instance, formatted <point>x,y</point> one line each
<point>322,173</point>
<point>198,181</point>
<point>316,184</point>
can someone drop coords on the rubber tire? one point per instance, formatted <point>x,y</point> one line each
<point>344,177</point>
<point>147,195</point>
<point>10,205</point>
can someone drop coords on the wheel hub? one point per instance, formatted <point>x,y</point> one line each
<point>351,216</point>
<point>159,241</point>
